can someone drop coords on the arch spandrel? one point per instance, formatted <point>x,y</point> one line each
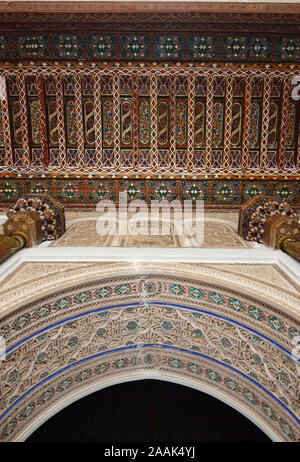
<point>213,334</point>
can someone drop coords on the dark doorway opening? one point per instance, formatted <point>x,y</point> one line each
<point>148,411</point>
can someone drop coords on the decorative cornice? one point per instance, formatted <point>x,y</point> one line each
<point>17,66</point>
<point>149,7</point>
<point>224,20</point>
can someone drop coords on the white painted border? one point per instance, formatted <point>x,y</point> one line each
<point>3,219</point>
<point>262,255</point>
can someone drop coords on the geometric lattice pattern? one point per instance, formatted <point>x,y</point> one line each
<point>89,191</point>
<point>149,120</point>
<point>237,344</point>
<point>204,47</point>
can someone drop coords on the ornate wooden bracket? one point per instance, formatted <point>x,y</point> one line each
<point>50,211</point>
<point>9,245</point>
<point>33,219</point>
<point>271,221</point>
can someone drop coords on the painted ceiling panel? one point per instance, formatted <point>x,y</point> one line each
<point>104,97</point>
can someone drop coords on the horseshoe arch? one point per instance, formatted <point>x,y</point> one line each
<point>208,336</point>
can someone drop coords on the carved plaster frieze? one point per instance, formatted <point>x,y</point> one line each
<point>33,279</point>
<point>61,340</point>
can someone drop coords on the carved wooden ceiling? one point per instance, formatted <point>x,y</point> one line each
<point>186,104</point>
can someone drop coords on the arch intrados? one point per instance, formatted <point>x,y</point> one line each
<point>144,375</point>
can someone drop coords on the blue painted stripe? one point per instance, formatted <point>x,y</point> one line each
<point>149,345</point>
<point>167,347</point>
<point>128,305</point>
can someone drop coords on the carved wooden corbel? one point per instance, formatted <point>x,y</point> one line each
<point>271,221</point>
<point>33,219</point>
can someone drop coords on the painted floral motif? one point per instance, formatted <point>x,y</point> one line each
<point>4,46</point>
<point>199,124</point>
<point>168,46</point>
<point>1,130</point>
<point>225,192</point>
<point>236,127</point>
<point>288,48</point>
<point>144,123</point>
<point>181,122</point>
<point>35,122</point>
<point>290,129</point>
<point>68,46</point>
<point>203,46</point>
<point>32,46</point>
<point>217,131</point>
<point>162,123</point>
<point>126,122</point>
<point>254,125</point>
<point>135,46</point>
<point>89,122</point>
<point>18,138</point>
<point>162,190</point>
<point>234,47</point>
<point>101,45</point>
<point>71,122</point>
<point>273,122</point>
<point>260,48</point>
<point>253,190</point>
<point>108,127</point>
<point>284,378</point>
<point>52,123</point>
